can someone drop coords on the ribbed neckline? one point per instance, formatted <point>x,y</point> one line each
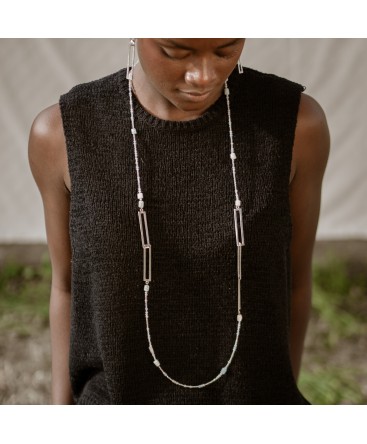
<point>218,108</point>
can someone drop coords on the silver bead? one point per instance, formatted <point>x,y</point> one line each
<point>233,156</point>
<point>238,203</point>
<point>157,363</point>
<point>226,91</point>
<point>140,195</point>
<point>223,370</point>
<point>239,317</point>
<point>133,131</point>
<point>146,287</point>
<point>141,204</point>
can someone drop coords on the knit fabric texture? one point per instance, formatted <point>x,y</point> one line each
<point>187,181</point>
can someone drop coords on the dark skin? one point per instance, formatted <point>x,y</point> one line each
<point>169,69</point>
<point>168,81</point>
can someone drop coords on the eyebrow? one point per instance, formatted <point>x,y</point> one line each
<point>181,46</point>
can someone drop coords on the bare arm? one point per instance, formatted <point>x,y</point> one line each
<point>310,152</point>
<point>46,153</point>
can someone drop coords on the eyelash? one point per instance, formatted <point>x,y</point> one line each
<point>171,57</point>
<point>227,56</point>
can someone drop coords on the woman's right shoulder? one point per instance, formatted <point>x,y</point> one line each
<point>47,124</point>
<point>46,144</point>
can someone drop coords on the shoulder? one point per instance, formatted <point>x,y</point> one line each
<point>272,98</point>
<point>87,102</point>
<point>270,82</point>
<point>86,92</point>
<point>46,145</point>
<point>312,138</point>
<point>310,114</point>
<point>46,131</point>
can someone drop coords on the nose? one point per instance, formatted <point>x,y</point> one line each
<point>201,75</point>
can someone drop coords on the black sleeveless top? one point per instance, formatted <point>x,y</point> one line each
<point>186,178</point>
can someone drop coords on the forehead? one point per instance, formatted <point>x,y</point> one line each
<point>200,44</point>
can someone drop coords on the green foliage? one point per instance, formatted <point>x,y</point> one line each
<point>331,386</point>
<point>24,296</point>
<point>332,277</point>
<point>337,299</point>
<point>339,317</point>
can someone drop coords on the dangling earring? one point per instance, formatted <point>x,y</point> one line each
<point>130,59</point>
<point>239,66</point>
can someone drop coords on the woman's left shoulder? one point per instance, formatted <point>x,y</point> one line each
<point>312,137</point>
<point>310,113</point>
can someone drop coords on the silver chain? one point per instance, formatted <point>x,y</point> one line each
<point>147,247</point>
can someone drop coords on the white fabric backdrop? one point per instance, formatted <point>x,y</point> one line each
<point>34,72</point>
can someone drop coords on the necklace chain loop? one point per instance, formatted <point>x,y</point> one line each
<point>147,247</point>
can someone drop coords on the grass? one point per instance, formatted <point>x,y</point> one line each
<point>24,296</point>
<point>339,301</point>
<point>339,317</point>
<point>331,385</point>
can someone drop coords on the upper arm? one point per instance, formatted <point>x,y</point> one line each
<point>46,155</point>
<point>310,153</point>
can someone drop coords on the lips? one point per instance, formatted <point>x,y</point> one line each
<point>195,93</point>
<point>195,96</point>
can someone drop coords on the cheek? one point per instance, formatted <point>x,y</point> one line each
<point>227,70</point>
<point>167,77</point>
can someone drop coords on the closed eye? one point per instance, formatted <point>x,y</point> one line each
<point>175,53</point>
<point>228,55</point>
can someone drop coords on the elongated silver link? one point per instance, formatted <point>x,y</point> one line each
<point>239,275</point>
<point>147,247</point>
<point>147,257</point>
<point>238,226</point>
<point>143,228</point>
<point>130,59</point>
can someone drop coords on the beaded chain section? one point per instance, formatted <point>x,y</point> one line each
<point>147,247</point>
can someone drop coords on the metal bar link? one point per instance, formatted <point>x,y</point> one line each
<point>239,226</point>
<point>239,295</point>
<point>239,275</point>
<point>143,221</point>
<point>130,59</point>
<point>239,257</point>
<point>146,278</point>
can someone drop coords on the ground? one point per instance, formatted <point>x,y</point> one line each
<point>25,376</point>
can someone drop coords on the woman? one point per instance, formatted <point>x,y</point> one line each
<point>188,141</point>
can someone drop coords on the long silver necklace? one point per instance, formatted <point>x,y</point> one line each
<point>147,247</point>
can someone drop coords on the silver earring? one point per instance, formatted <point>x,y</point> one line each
<point>130,59</point>
<point>239,66</point>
